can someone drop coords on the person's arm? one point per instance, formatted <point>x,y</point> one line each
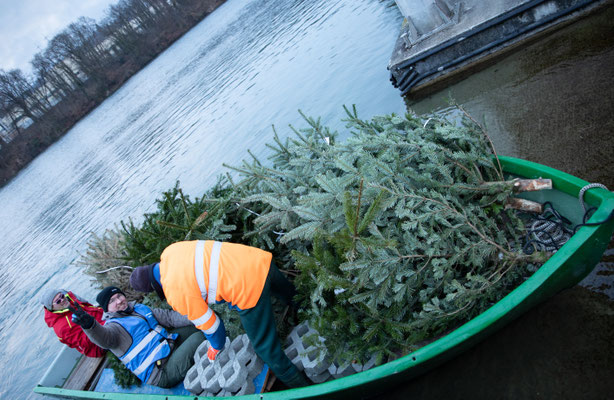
<point>217,338</point>
<point>212,326</point>
<point>170,318</point>
<point>107,336</point>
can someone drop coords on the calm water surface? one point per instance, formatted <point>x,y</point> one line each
<point>205,101</point>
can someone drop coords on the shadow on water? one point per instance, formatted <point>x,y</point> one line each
<point>551,102</point>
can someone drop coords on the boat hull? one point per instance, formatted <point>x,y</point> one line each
<point>564,269</point>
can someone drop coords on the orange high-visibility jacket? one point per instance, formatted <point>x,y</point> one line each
<point>241,273</point>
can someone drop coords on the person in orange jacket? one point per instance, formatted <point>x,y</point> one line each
<point>58,316</point>
<point>191,275</point>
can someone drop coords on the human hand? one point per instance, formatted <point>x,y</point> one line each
<point>80,317</point>
<point>212,353</point>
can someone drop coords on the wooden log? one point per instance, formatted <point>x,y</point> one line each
<point>531,185</point>
<point>524,205</point>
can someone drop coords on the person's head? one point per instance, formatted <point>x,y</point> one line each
<point>142,279</point>
<point>112,299</point>
<point>54,299</point>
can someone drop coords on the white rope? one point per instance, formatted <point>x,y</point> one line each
<point>585,188</point>
<point>111,269</point>
<point>279,234</point>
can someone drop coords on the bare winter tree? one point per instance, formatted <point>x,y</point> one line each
<point>18,93</point>
<point>80,67</point>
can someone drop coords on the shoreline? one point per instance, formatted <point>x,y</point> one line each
<point>39,136</point>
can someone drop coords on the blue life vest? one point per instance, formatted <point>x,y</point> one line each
<point>149,341</point>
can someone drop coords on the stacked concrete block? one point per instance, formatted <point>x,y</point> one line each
<point>242,352</point>
<point>201,352</point>
<point>363,367</point>
<point>231,373</point>
<point>192,381</point>
<point>313,358</point>
<point>340,370</point>
<point>232,377</point>
<point>247,388</point>
<point>209,379</point>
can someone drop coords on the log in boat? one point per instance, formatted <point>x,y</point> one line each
<point>568,266</point>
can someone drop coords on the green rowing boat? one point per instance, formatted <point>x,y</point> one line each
<point>565,268</point>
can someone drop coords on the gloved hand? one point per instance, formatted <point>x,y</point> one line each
<point>212,353</point>
<point>80,317</point>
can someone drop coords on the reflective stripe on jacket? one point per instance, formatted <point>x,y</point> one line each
<point>149,341</point>
<point>229,272</point>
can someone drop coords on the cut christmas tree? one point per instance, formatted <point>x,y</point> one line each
<point>402,231</point>
<point>399,233</point>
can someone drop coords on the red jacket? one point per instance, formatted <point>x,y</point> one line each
<point>70,333</point>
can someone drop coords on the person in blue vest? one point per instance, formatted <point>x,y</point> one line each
<point>138,336</point>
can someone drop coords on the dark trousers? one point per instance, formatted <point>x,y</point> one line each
<point>182,356</point>
<point>259,324</point>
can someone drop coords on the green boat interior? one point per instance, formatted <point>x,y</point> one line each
<point>68,376</point>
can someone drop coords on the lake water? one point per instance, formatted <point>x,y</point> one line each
<point>205,101</point>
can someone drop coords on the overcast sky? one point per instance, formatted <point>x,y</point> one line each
<point>27,25</point>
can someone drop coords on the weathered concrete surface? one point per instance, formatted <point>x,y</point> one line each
<point>560,350</point>
<point>552,103</point>
<point>475,35</point>
<point>431,22</point>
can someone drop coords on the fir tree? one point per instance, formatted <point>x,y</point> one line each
<point>399,232</point>
<point>395,235</point>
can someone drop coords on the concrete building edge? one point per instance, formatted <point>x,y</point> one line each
<point>443,79</point>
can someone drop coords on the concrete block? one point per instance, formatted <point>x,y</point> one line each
<point>307,357</point>
<point>241,351</point>
<point>231,373</point>
<point>201,351</point>
<point>209,379</point>
<point>338,370</point>
<point>356,367</point>
<point>315,361</point>
<point>253,366</point>
<point>294,338</point>
<point>192,381</point>
<point>293,354</point>
<point>248,387</point>
<point>363,367</point>
<point>322,377</point>
<point>232,377</point>
<point>202,364</point>
<point>223,356</point>
<point>212,394</point>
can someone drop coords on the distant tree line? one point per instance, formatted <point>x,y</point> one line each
<point>80,67</point>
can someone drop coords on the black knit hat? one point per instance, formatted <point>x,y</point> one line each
<point>142,280</point>
<point>105,295</point>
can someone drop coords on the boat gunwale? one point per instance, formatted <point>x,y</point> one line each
<point>502,312</point>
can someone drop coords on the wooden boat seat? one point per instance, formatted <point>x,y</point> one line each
<point>85,373</point>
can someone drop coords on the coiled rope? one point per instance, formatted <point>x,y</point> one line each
<point>550,231</point>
